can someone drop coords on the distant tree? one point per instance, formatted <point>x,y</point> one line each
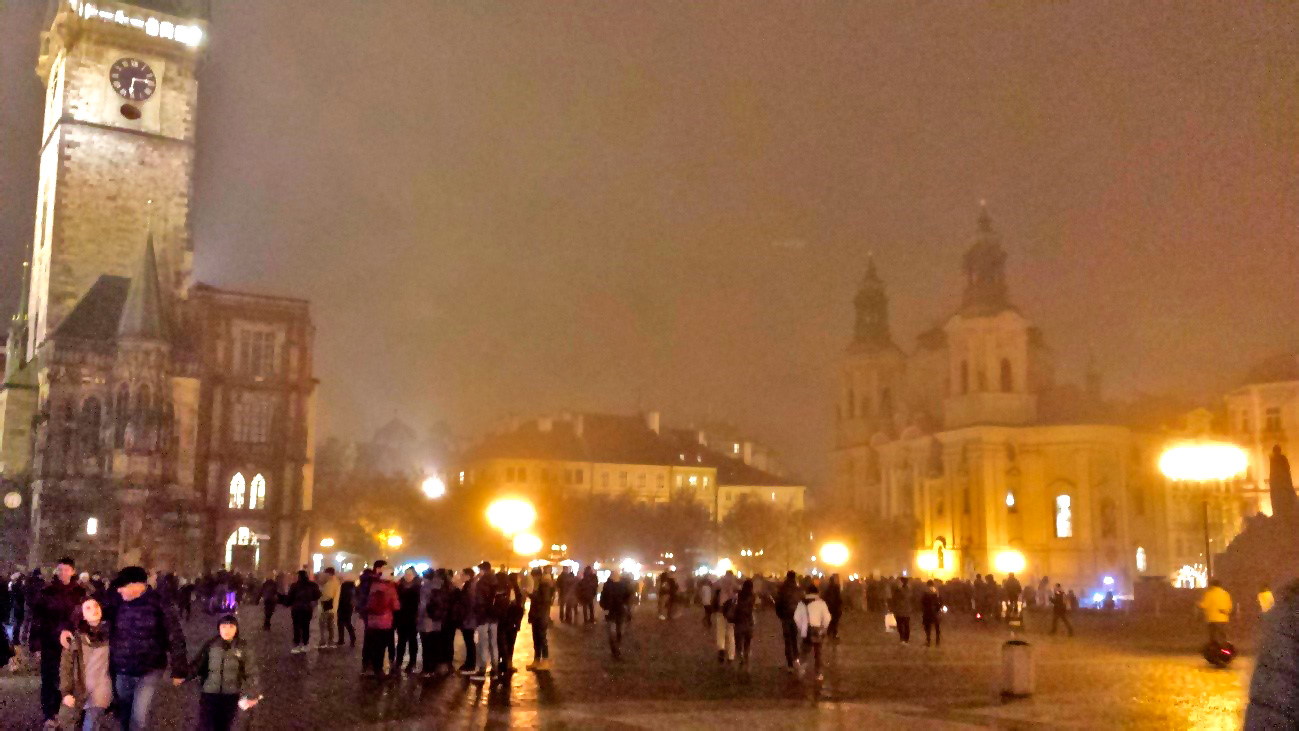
<point>780,534</point>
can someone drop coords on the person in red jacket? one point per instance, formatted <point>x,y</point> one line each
<point>380,605</point>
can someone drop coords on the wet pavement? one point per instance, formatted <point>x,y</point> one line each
<point>1116,673</point>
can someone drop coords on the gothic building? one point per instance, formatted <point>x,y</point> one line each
<point>968,442</point>
<point>145,418</point>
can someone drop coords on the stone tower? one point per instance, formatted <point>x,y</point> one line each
<point>117,151</point>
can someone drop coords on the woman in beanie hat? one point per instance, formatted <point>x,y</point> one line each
<point>227,673</point>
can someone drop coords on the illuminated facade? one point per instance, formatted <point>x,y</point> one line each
<point>969,442</point>
<point>1261,414</point>
<point>174,417</point>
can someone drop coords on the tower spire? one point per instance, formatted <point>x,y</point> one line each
<point>142,315</point>
<point>984,265</point>
<point>872,305</point>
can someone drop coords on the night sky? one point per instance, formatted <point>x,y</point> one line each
<point>505,206</point>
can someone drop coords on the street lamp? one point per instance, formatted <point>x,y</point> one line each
<point>394,541</point>
<point>326,542</point>
<point>834,553</point>
<point>434,487</point>
<point>1202,462</point>
<point>526,544</point>
<point>511,515</point>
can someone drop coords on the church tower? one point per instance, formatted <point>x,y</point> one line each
<point>871,378</point>
<point>117,151</point>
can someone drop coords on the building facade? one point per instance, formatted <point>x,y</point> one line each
<point>968,442</point>
<point>146,419</point>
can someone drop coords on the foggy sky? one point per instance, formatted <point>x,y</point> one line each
<point>500,206</point>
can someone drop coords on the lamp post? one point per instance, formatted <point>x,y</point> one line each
<point>511,516</point>
<point>1202,462</point>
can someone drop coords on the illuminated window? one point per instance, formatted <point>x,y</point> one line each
<point>257,495</point>
<point>255,355</point>
<point>705,482</point>
<point>1063,516</point>
<point>251,418</point>
<point>237,490</point>
<point>1141,559</point>
<point>694,480</point>
<point>679,483</point>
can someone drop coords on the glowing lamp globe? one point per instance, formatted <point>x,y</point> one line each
<point>394,541</point>
<point>927,561</point>
<point>511,515</point>
<point>834,554</point>
<point>1203,462</point>
<point>526,544</point>
<point>1008,562</point>
<point>434,487</point>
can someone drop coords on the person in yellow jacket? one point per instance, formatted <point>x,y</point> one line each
<point>1265,598</point>
<point>1216,605</point>
<point>330,588</point>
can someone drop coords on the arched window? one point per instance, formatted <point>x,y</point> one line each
<point>237,490</point>
<point>1007,380</point>
<point>1063,516</point>
<point>257,493</point>
<point>121,415</point>
<point>965,377</point>
<point>90,421</point>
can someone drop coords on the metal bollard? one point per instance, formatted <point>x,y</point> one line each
<point>1016,669</point>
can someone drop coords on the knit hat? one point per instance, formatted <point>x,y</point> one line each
<point>229,619</point>
<point>132,575</point>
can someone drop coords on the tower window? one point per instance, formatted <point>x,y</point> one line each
<point>237,490</point>
<point>1063,516</point>
<point>1007,380</point>
<point>257,495</point>
<point>256,352</point>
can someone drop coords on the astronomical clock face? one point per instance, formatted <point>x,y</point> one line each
<point>132,79</point>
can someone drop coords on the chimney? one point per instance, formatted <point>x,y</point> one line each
<point>747,452</point>
<point>652,421</point>
<point>579,425</point>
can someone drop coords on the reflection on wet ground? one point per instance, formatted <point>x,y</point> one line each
<point>1114,674</point>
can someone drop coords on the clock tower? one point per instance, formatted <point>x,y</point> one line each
<point>117,150</point>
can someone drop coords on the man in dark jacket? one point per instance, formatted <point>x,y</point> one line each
<point>614,598</point>
<point>303,596</point>
<point>931,613</point>
<point>270,598</point>
<point>486,622</point>
<point>346,603</point>
<point>788,597</point>
<point>144,637</point>
<point>586,589</point>
<point>52,612</point>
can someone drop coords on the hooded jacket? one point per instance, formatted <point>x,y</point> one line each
<point>227,668</point>
<point>812,612</point>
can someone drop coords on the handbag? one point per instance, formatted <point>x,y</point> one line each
<point>890,622</point>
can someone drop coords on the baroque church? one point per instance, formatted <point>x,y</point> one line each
<point>967,441</point>
<point>144,418</point>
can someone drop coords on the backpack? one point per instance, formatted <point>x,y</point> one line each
<point>728,610</point>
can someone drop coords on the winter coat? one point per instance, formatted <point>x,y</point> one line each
<point>228,668</point>
<point>83,670</point>
<point>303,595</point>
<point>52,612</point>
<point>408,594</point>
<point>270,593</point>
<point>424,622</point>
<point>144,635</point>
<point>542,598</point>
<point>900,601</point>
<point>587,587</point>
<point>329,594</point>
<point>614,598</point>
<point>460,609</point>
<point>812,612</point>
<point>483,588</point>
<point>742,613</point>
<point>788,597</point>
<point>346,597</point>
<point>1273,696</point>
<point>1216,605</point>
<point>833,598</point>
<point>382,603</point>
<point>931,606</point>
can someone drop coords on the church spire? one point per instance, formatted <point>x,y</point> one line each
<point>142,315</point>
<point>872,306</point>
<point>984,265</point>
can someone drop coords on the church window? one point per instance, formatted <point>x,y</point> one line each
<point>251,417</point>
<point>238,488</point>
<point>121,415</point>
<point>1063,516</point>
<point>256,352</point>
<point>965,377</point>
<point>1272,419</point>
<point>1007,379</point>
<point>257,493</point>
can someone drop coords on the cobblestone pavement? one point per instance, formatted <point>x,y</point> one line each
<point>1116,673</point>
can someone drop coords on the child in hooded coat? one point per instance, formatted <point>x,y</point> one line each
<point>227,671</point>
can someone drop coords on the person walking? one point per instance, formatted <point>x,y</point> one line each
<point>407,621</point>
<point>346,605</point>
<point>614,598</point>
<point>813,620</point>
<point>1060,610</point>
<point>723,631</point>
<point>900,604</point>
<point>1216,604</point>
<point>511,622</point>
<point>51,611</point>
<point>429,617</point>
<point>381,603</point>
<point>788,597</point>
<point>587,587</point>
<point>486,621</point>
<point>363,589</point>
<point>329,595</point>
<point>226,669</point>
<point>543,594</point>
<point>463,615</point>
<point>931,614</point>
<point>303,596</point>
<point>567,586</point>
<point>742,620</point>
<point>833,598</point>
<point>84,681</point>
<point>144,638</point>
